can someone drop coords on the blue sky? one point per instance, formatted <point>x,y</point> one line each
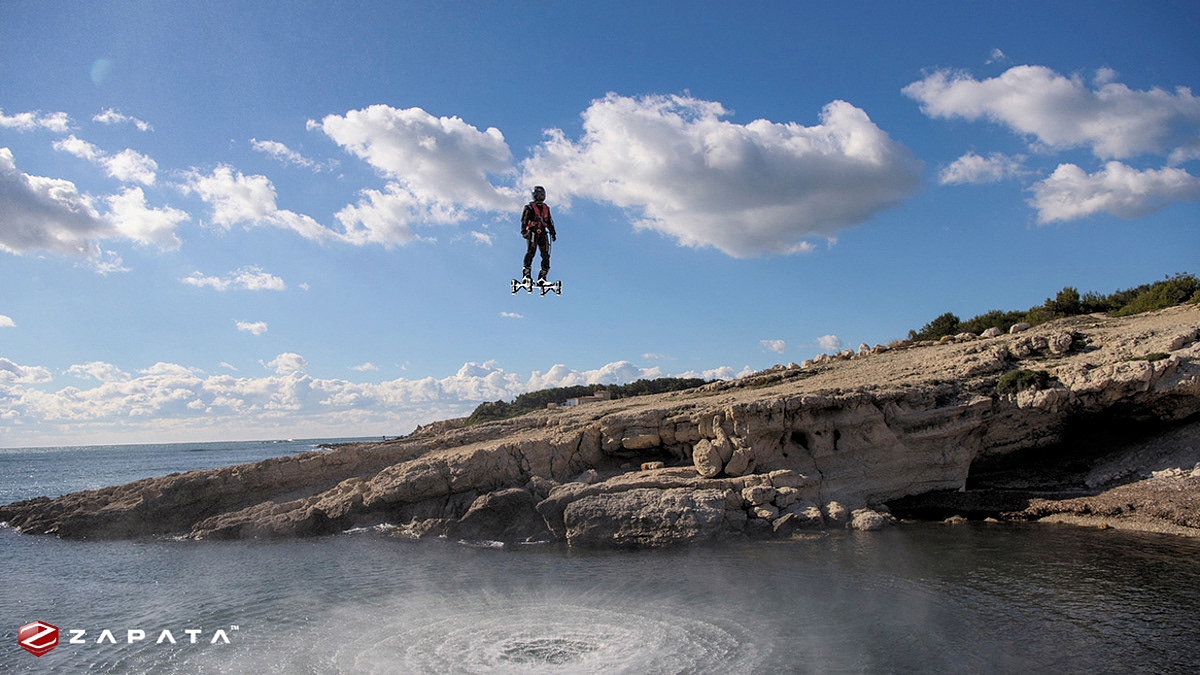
<point>230,221</point>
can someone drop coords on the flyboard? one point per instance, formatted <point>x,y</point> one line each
<point>544,286</point>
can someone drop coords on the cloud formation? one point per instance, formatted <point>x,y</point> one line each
<point>252,327</point>
<point>128,166</point>
<point>439,169</point>
<point>746,189</point>
<point>1071,193</point>
<point>46,214</point>
<point>974,169</point>
<point>283,153</point>
<point>830,343</point>
<point>250,278</point>
<point>1112,120</point>
<point>777,346</point>
<point>58,122</point>
<point>7,322</point>
<point>237,199</point>
<point>111,116</point>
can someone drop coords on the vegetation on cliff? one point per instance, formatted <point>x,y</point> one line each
<point>1169,292</point>
<point>489,411</point>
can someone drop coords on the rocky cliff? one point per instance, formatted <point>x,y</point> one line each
<point>826,443</point>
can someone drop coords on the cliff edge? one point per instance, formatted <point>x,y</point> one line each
<point>827,443</point>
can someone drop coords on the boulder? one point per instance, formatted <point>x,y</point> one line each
<point>650,466</point>
<point>868,519</point>
<point>786,496</point>
<point>1018,327</point>
<point>504,515</point>
<point>706,459</point>
<point>991,332</point>
<point>807,516</point>
<point>739,463</point>
<point>836,514</point>
<point>764,511</point>
<point>756,495</point>
<point>646,517</point>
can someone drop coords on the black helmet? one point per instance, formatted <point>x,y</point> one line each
<point>539,192</point>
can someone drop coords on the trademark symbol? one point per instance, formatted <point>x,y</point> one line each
<point>234,627</point>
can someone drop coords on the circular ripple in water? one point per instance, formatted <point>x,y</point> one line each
<point>553,637</point>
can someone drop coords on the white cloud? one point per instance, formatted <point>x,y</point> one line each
<point>7,322</point>
<point>228,366</point>
<point>748,190</point>
<point>13,373</point>
<point>829,343</point>
<point>283,153</point>
<point>250,278</point>
<point>106,262</point>
<point>972,168</point>
<point>287,363</point>
<point>111,116</point>
<point>1061,112</point>
<point>249,200</point>
<point>133,218</point>
<point>997,56</point>
<point>46,214</point>
<point>435,159</point>
<point>58,122</point>
<point>1070,192</point>
<point>253,328</point>
<point>511,315</point>
<point>368,366</point>
<point>481,238</point>
<point>777,346</point>
<point>98,370</point>
<point>126,166</point>
<point>169,400</point>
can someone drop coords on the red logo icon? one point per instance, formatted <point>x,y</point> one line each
<point>37,638</point>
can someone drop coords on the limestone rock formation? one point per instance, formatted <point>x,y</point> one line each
<point>772,454</point>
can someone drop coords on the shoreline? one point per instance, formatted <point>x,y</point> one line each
<point>838,442</point>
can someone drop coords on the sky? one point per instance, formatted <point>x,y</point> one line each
<point>237,221</point>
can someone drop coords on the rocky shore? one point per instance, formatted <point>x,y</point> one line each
<point>1102,431</point>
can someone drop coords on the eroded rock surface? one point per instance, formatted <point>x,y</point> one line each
<point>786,450</point>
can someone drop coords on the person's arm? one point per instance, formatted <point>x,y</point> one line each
<point>550,224</point>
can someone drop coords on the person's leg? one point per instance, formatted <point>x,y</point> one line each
<point>544,245</point>
<point>529,251</point>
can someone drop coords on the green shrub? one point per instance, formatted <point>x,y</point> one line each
<point>946,324</point>
<point>490,411</point>
<point>1020,380</point>
<point>1167,293</point>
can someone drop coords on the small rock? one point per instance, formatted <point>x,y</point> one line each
<point>955,520</point>
<point>964,337</point>
<point>1018,327</point>
<point>758,494</point>
<point>650,466</point>
<point>867,519</point>
<point>1060,343</point>
<point>785,525</point>
<point>991,332</point>
<point>808,516</point>
<point>787,478</point>
<point>588,477</point>
<point>739,462</point>
<point>786,496</point>
<point>836,514</point>
<point>764,511</point>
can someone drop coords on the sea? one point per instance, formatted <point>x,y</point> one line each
<point>915,598</point>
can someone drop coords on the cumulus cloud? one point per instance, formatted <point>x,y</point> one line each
<point>362,368</point>
<point>974,169</point>
<point>169,397</point>
<point>439,169</point>
<point>283,153</point>
<point>14,373</point>
<point>111,116</point>
<point>237,199</point>
<point>777,346</point>
<point>98,370</point>
<point>7,322</point>
<point>133,218</point>
<point>46,214</point>
<point>746,189</point>
<point>250,278</point>
<point>252,327</point>
<point>1070,192</point>
<point>1061,112</point>
<point>126,166</point>
<point>58,122</point>
<point>287,363</point>
<point>830,343</point>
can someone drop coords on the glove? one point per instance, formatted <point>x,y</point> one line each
<point>553,238</point>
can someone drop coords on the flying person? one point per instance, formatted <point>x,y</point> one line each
<point>537,226</point>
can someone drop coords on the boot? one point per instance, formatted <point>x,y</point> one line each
<point>542,277</point>
<point>526,276</point>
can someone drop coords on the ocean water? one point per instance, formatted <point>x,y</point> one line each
<point>914,598</point>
